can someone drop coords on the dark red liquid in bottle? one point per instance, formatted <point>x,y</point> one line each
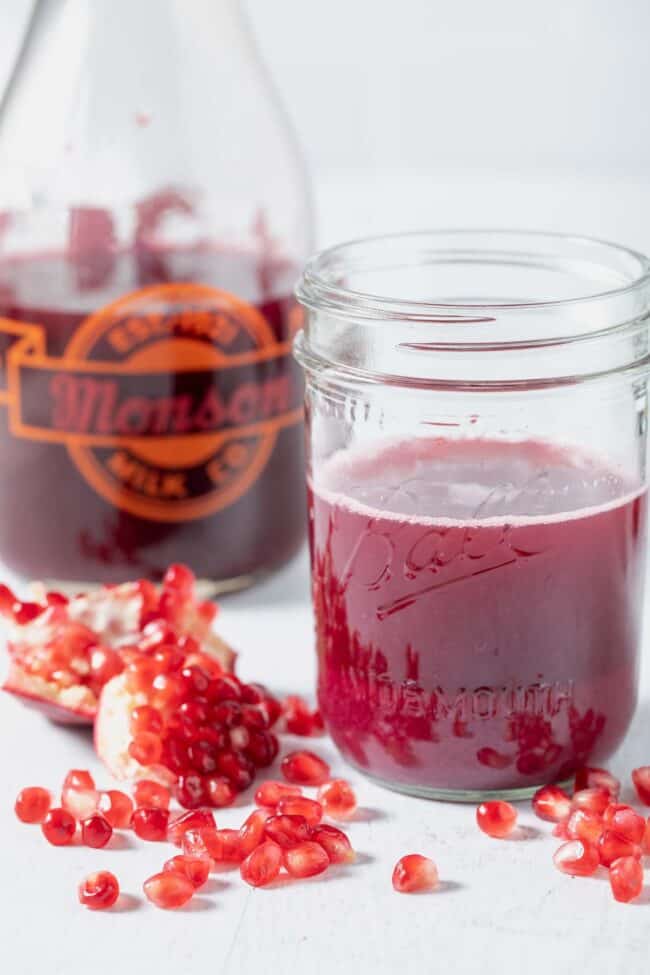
<point>478,611</point>
<point>97,456</point>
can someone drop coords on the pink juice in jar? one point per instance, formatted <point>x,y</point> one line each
<point>478,610</point>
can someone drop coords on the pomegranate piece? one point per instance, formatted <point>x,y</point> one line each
<point>306,859</point>
<point>641,781</point>
<point>251,833</point>
<point>597,778</point>
<point>59,827</point>
<point>196,819</point>
<point>594,799</point>
<point>262,865</point>
<point>196,869</point>
<point>334,842</point>
<point>96,831</point>
<point>612,846</point>
<point>168,889</point>
<point>625,821</point>
<point>497,819</point>
<point>305,768</point>
<point>584,825</point>
<point>78,779</point>
<point>414,873</point>
<point>551,804</point>
<point>578,858</point>
<point>287,831</point>
<point>32,804</point>
<point>626,879</point>
<point>116,808</point>
<point>309,809</point>
<point>151,795</point>
<point>80,803</point>
<point>150,824</point>
<point>99,891</point>
<point>220,792</point>
<point>338,799</point>
<point>270,793</point>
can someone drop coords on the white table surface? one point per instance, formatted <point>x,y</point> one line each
<point>502,908</point>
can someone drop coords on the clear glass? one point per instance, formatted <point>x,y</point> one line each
<point>154,212</point>
<point>477,473</point>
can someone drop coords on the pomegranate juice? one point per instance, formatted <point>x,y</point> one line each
<point>478,609</point>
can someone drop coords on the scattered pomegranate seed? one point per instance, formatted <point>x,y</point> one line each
<point>552,804</point>
<point>287,831</point>
<point>32,804</point>
<point>78,779</point>
<point>168,889</point>
<point>414,873</point>
<point>220,792</point>
<point>116,807</point>
<point>96,831</point>
<point>196,819</point>
<point>338,799</point>
<point>251,833</point>
<point>306,859</point>
<point>59,827</point>
<point>262,865</point>
<point>641,781</point>
<point>80,803</point>
<point>626,822</point>
<point>561,830</point>
<point>309,809</point>
<point>151,795</point>
<point>99,891</point>
<point>334,842</point>
<point>577,858</point>
<point>220,845</point>
<point>196,869</point>
<point>151,824</point>
<point>594,799</point>
<point>299,717</point>
<point>305,768</point>
<point>270,793</point>
<point>497,819</point>
<point>597,778</point>
<point>584,825</point>
<point>612,846</point>
<point>626,879</point>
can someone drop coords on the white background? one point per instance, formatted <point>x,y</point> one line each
<point>412,113</point>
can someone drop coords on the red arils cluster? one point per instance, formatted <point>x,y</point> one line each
<point>299,719</point>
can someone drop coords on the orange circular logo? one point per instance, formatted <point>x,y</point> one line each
<point>170,400</point>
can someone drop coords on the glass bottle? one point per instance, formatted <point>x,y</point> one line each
<point>154,210</point>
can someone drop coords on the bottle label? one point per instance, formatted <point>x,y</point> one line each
<point>169,401</point>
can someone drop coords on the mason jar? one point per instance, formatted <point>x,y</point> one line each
<point>477,426</point>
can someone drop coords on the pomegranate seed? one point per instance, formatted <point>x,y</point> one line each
<point>299,717</point>
<point>338,799</point>
<point>24,613</point>
<point>595,799</point>
<point>78,779</point>
<point>146,748</point>
<point>191,791</point>
<point>305,768</point>
<point>196,870</point>
<point>220,845</point>
<point>220,791</point>
<point>251,833</point>
<point>237,768</point>
<point>641,780</point>
<point>287,831</point>
<point>577,858</point>
<point>32,804</point>
<point>334,842</point>
<point>584,825</point>
<point>270,793</point>
<point>415,873</point>
<point>96,832</point>
<point>151,795</point>
<point>262,748</point>
<point>611,847</point>
<point>626,822</point>
<point>116,808</point>
<point>262,865</point>
<point>597,778</point>
<point>561,830</point>
<point>59,827</point>
<point>104,665</point>
<point>196,819</point>
<point>497,818</point>
<point>551,804</point>
<point>306,859</point>
<point>99,891</point>
<point>80,803</point>
<point>145,719</point>
<point>626,879</point>
<point>645,845</point>
<point>180,578</point>
<point>309,809</point>
<point>168,889</point>
<point>225,688</point>
<point>150,824</point>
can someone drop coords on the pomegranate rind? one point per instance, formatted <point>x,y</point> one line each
<point>75,705</point>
